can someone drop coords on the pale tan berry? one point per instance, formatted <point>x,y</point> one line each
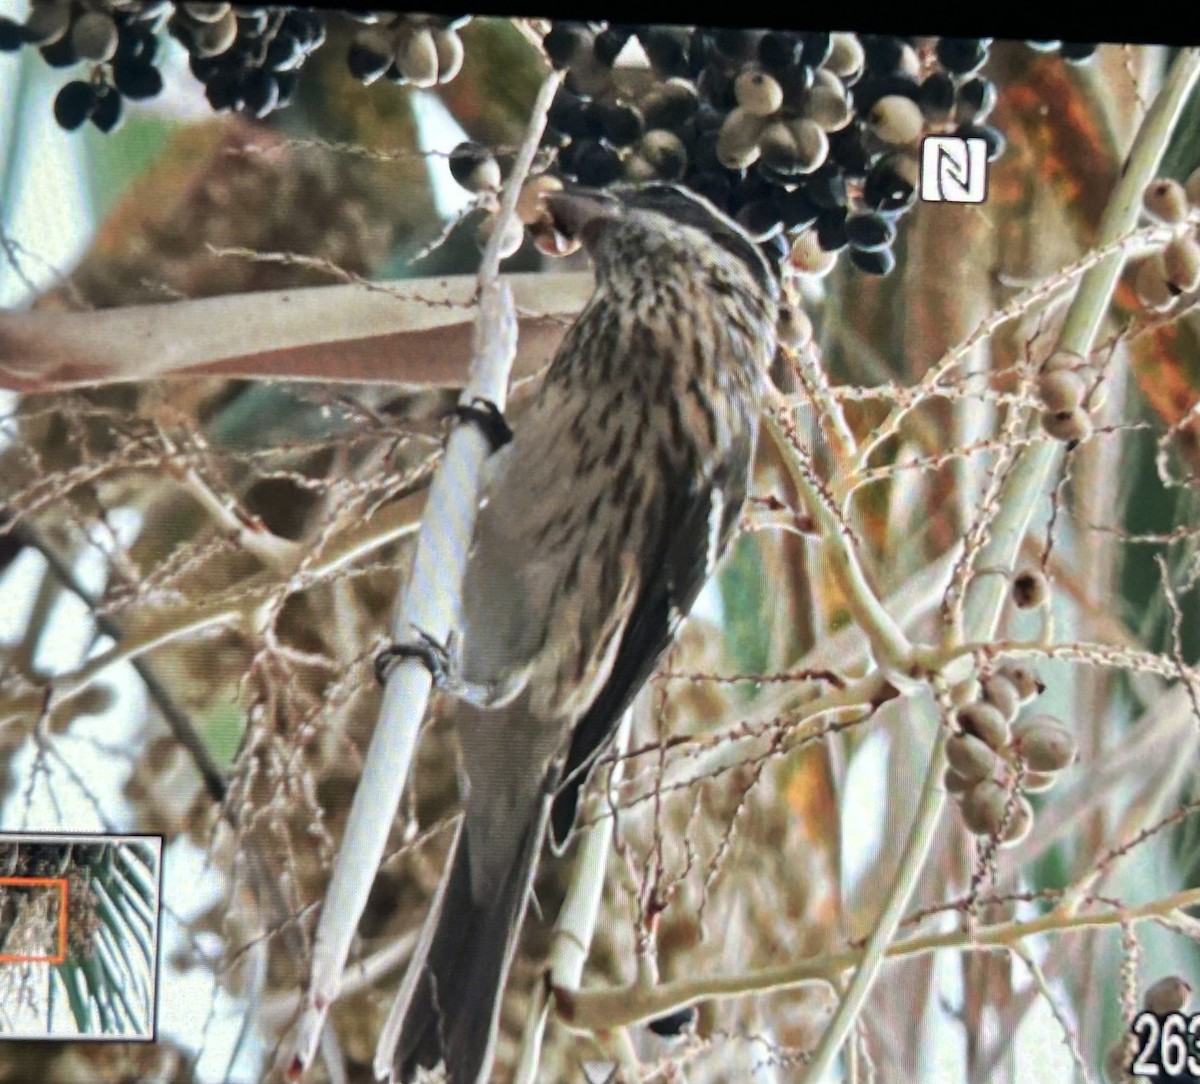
<point>955,783</point>
<point>971,757</point>
<point>828,108</point>
<point>1170,994</point>
<point>1181,264</point>
<point>1166,201</point>
<point>1024,679</point>
<point>986,722</point>
<point>758,92</point>
<point>896,120</point>
<point>846,57</point>
<point>665,153</point>
<point>206,13</point>
<point>95,36</point>
<point>1043,743</point>
<point>1036,782</point>
<point>514,235</point>
<point>1018,822</point>
<point>737,142</point>
<point>1150,284</point>
<point>213,39</point>
<point>1001,694</point>
<point>450,53</point>
<point>812,145</point>
<point>417,55</point>
<point>1061,389</point>
<point>808,257</point>
<point>1069,426</point>
<point>983,808</point>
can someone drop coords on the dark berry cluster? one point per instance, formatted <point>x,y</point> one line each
<point>119,41</point>
<point>248,56</point>
<point>792,133</point>
<point>423,50</point>
<point>1075,52</point>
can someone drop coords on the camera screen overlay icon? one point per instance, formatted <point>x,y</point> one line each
<point>954,169</point>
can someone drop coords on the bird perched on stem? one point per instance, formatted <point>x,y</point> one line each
<point>600,522</point>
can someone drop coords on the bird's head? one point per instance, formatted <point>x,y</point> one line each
<point>614,222</point>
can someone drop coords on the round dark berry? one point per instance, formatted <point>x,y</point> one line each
<point>881,53</point>
<point>795,83</point>
<point>831,229</point>
<point>993,137</point>
<point>284,54</point>
<point>715,87</point>
<point>567,44</point>
<point>780,49</point>
<point>609,44</point>
<point>817,44</point>
<point>260,93</point>
<point>873,262</point>
<point>670,104</point>
<point>713,186</point>
<point>760,219</point>
<point>620,123</point>
<point>826,187</point>
<point>962,56</point>
<point>74,104</point>
<point>735,43</point>
<point>848,150</point>
<point>11,38</point>
<point>673,1023</point>
<point>870,231</point>
<point>109,110</point>
<point>475,168</point>
<point>61,54</point>
<point>872,88</point>
<point>594,163</point>
<point>795,208</point>
<point>367,61</point>
<point>891,185</point>
<point>666,49</point>
<point>976,98</point>
<point>223,92</point>
<point>137,79</point>
<point>1077,52</point>
<point>138,42</point>
<point>569,113</point>
<point>936,96</point>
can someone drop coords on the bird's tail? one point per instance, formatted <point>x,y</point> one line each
<point>448,1007</point>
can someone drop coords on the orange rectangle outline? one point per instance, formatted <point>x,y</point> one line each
<point>42,882</point>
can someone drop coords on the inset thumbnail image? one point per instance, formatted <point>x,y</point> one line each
<point>79,928</point>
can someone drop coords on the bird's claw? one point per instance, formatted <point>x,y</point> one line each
<point>489,418</point>
<point>424,647</point>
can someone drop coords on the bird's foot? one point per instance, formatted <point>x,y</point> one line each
<point>489,418</point>
<point>430,651</point>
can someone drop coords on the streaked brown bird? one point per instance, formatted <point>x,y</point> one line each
<point>601,521</point>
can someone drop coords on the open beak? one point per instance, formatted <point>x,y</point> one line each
<point>579,212</point>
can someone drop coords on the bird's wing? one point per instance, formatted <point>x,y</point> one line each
<point>696,525</point>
